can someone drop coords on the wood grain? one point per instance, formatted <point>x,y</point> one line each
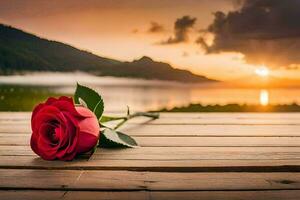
<point>10,139</point>
<point>191,130</point>
<point>188,118</point>
<point>189,121</point>
<point>31,195</point>
<point>179,153</point>
<point>215,115</point>
<point>158,181</point>
<point>220,156</point>
<point>34,162</point>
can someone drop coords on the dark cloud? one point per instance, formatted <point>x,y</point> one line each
<point>181,29</point>
<point>265,31</point>
<point>156,28</point>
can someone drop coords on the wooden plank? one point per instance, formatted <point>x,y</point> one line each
<point>37,179</point>
<point>70,195</point>
<point>189,119</point>
<point>12,128</point>
<point>212,130</point>
<point>15,139</point>
<point>283,115</point>
<point>222,118</point>
<point>216,115</point>
<point>184,121</point>
<point>217,141</point>
<point>15,115</point>
<point>149,195</point>
<point>186,181</point>
<point>212,121</point>
<point>191,130</point>
<point>158,159</point>
<point>10,139</point>
<point>227,195</point>
<point>116,195</point>
<point>30,195</point>
<point>34,162</point>
<point>203,195</point>
<point>196,153</point>
<point>27,115</point>
<point>179,153</point>
<point>140,181</point>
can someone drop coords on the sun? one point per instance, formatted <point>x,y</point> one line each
<point>262,71</point>
<point>264,97</point>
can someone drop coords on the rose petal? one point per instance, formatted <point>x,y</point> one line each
<point>86,142</point>
<point>89,124</point>
<point>89,130</point>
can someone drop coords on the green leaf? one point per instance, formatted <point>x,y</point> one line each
<point>109,118</point>
<point>114,139</point>
<point>90,99</point>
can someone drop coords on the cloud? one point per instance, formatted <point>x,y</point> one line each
<point>185,54</point>
<point>134,31</point>
<point>181,29</point>
<point>156,28</point>
<point>265,31</point>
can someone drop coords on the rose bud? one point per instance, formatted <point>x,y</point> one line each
<point>61,131</point>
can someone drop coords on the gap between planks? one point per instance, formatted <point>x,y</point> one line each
<point>149,195</point>
<point>140,181</point>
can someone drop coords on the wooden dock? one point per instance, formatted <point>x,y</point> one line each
<point>182,156</point>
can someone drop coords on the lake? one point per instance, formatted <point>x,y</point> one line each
<point>118,93</point>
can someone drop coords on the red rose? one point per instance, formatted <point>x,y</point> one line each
<point>61,131</point>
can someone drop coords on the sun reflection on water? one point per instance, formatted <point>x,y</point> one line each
<point>264,97</point>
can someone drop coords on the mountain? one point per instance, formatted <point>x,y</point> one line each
<point>21,51</point>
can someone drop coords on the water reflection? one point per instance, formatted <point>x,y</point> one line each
<point>264,97</point>
<point>155,98</point>
<point>139,95</point>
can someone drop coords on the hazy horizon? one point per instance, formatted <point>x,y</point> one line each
<point>138,94</point>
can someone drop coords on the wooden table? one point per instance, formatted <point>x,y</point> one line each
<point>182,156</point>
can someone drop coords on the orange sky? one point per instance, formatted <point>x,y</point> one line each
<point>119,29</point>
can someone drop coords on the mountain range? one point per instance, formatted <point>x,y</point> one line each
<point>22,52</point>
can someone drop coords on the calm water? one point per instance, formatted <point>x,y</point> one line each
<point>150,95</point>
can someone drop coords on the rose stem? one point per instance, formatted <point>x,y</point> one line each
<point>137,114</point>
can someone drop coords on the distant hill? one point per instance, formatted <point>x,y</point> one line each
<point>21,51</point>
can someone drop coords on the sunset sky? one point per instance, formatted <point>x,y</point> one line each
<point>198,35</point>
